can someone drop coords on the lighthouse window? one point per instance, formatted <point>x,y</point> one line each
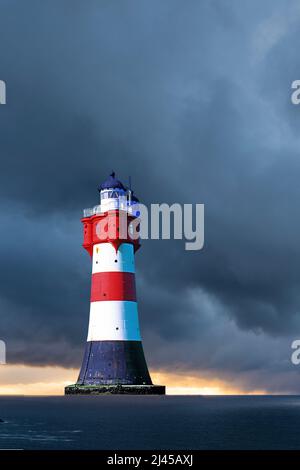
<point>117,328</point>
<point>116,260</point>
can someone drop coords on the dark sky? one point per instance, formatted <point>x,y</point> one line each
<point>192,99</point>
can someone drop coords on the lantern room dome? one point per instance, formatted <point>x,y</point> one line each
<point>112,183</point>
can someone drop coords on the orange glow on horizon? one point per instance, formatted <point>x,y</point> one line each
<point>28,380</point>
<point>188,384</point>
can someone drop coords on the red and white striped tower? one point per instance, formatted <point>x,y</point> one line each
<point>114,359</point>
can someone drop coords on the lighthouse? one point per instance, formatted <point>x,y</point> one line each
<point>114,360</point>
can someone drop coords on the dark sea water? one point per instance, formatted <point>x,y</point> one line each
<point>157,422</point>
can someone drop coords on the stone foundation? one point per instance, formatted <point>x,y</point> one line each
<point>115,390</point>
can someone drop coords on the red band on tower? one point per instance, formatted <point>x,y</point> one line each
<point>113,286</point>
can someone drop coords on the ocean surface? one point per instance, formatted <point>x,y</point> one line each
<point>153,422</point>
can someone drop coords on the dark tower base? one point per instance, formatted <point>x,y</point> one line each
<point>114,363</point>
<point>115,390</point>
<point>114,367</point>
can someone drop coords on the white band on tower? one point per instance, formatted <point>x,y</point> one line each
<point>106,259</point>
<point>114,321</point>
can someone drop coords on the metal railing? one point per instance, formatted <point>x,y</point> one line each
<point>112,205</point>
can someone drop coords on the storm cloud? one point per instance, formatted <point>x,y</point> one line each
<point>192,99</point>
